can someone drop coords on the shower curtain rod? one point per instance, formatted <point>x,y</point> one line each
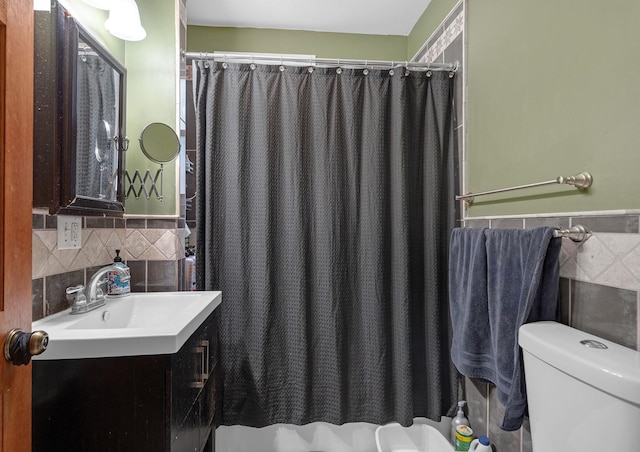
<point>248,58</point>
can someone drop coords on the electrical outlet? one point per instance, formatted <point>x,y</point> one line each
<point>69,232</point>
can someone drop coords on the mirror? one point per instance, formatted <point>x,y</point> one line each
<point>78,119</point>
<point>97,118</point>
<point>159,143</point>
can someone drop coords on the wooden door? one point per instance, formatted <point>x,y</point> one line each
<point>16,151</point>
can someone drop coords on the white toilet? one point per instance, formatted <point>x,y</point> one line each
<point>582,396</point>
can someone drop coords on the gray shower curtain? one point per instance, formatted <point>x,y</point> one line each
<point>324,208</point>
<point>96,101</point>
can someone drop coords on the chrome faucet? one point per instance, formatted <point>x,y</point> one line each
<point>95,296</point>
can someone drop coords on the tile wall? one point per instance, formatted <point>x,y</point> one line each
<point>599,294</point>
<point>152,248</point>
<point>445,45</point>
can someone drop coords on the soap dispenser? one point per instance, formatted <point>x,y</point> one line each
<point>115,286</point>
<point>459,420</point>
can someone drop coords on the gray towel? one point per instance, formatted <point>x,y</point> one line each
<point>500,279</point>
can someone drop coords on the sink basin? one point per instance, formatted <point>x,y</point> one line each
<point>153,323</point>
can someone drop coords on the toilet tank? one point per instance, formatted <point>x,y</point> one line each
<point>581,398</point>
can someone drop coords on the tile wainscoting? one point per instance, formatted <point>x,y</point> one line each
<point>599,287</point>
<point>152,248</point>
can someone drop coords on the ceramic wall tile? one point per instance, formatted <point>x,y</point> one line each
<point>612,223</point>
<point>37,221</point>
<point>503,441</point>
<point>607,312</point>
<point>138,240</point>
<point>507,223</point>
<point>138,270</point>
<point>553,222</point>
<point>476,393</point>
<point>162,276</point>
<point>37,299</point>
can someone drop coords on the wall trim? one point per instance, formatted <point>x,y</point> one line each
<point>591,213</point>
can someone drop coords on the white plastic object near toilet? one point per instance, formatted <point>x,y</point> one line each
<point>583,391</point>
<point>415,438</point>
<point>481,444</point>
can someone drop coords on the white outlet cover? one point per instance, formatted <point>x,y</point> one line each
<point>69,232</point>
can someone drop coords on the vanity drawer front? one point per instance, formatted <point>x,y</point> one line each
<point>191,368</point>
<point>197,426</point>
<point>208,399</point>
<point>188,437</point>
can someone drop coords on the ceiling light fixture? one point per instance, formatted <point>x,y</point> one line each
<point>124,20</point>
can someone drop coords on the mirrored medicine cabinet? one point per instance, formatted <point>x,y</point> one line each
<point>79,97</point>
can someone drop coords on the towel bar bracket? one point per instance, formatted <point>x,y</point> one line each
<point>581,181</point>
<point>576,233</point>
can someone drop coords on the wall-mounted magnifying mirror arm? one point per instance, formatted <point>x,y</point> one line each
<point>160,144</point>
<point>138,184</point>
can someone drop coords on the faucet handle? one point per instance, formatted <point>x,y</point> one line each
<point>75,289</point>
<point>76,294</point>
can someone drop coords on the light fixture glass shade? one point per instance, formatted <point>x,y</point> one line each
<point>124,21</point>
<point>100,4</point>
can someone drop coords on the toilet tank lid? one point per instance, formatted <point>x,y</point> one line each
<point>615,370</point>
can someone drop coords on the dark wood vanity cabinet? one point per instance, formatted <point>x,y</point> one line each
<point>138,403</point>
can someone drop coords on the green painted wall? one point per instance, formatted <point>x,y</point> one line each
<point>553,89</point>
<point>152,97</point>
<point>427,23</point>
<point>323,45</point>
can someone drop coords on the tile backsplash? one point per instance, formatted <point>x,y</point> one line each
<point>599,294</point>
<point>152,248</point>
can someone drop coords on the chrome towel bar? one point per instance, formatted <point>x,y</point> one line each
<point>581,181</point>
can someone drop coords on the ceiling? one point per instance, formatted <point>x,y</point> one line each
<point>380,17</point>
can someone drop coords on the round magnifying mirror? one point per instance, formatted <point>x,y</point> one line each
<point>159,142</point>
<point>103,141</point>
